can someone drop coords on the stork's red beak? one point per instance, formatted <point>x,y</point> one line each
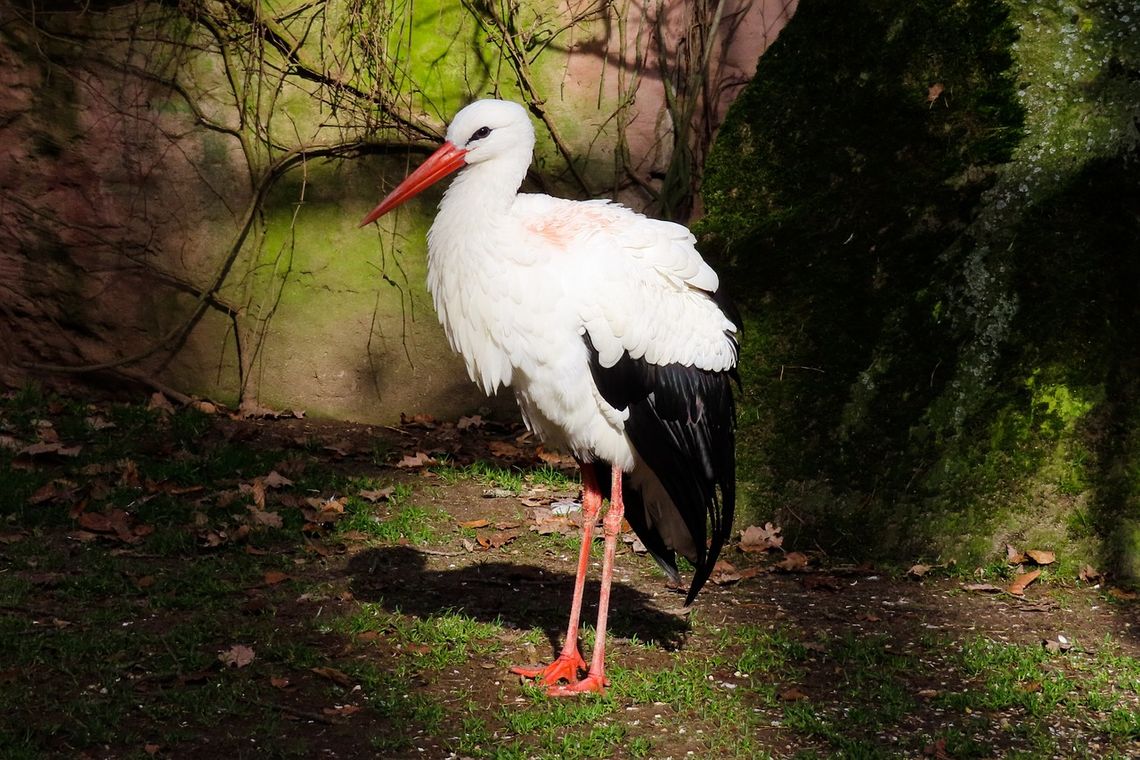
<point>447,158</point>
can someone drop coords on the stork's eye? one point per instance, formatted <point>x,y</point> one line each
<point>479,134</point>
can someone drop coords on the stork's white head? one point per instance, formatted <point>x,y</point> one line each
<point>487,129</point>
<point>484,130</point>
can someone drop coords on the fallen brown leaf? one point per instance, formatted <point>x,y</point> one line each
<point>424,420</point>
<point>1041,557</point>
<point>917,571</point>
<point>793,562</point>
<point>279,683</point>
<point>373,496</point>
<point>1090,574</point>
<point>237,656</point>
<point>757,539</point>
<point>205,407</point>
<point>988,588</point>
<point>792,694</point>
<point>334,675</point>
<point>1021,581</point>
<point>496,540</point>
<point>1058,645</point>
<point>554,459</point>
<point>474,421</point>
<point>322,511</point>
<point>276,480</point>
<point>36,449</point>
<point>724,572</point>
<point>273,577</point>
<point>256,490</point>
<point>1013,556</point>
<point>474,523</point>
<point>504,449</point>
<point>546,522</point>
<point>412,461</point>
<point>129,473</point>
<point>340,448</point>
<point>268,519</point>
<point>52,490</point>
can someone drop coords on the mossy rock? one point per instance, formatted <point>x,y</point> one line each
<point>936,248</point>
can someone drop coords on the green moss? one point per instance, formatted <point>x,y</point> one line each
<point>929,210</point>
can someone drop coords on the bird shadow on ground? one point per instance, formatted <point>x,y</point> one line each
<point>515,595</point>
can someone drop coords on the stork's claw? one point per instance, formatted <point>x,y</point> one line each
<point>565,668</point>
<point>595,684</point>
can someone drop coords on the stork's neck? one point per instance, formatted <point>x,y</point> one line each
<point>485,191</point>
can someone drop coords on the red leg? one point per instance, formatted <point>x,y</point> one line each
<point>595,680</point>
<point>569,663</point>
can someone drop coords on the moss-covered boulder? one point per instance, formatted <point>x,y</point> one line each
<point>930,210</point>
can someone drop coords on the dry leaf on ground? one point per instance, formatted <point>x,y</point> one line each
<point>504,449</point>
<point>373,496</point>
<point>1021,581</point>
<point>334,675</point>
<point>322,511</point>
<point>1090,574</point>
<point>793,562</point>
<point>57,448</point>
<point>474,421</point>
<point>725,572</point>
<point>412,461</point>
<point>498,539</point>
<point>237,656</point>
<point>1041,557</point>
<point>757,539</point>
<point>276,480</point>
<point>792,694</point>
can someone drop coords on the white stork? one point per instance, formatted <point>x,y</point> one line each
<point>612,332</point>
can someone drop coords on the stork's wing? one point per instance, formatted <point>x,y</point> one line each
<point>662,348</point>
<point>641,288</point>
<point>682,424</point>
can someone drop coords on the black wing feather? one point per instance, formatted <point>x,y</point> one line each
<point>682,421</point>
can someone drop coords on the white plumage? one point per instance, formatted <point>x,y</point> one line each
<point>518,278</point>
<point>590,313</point>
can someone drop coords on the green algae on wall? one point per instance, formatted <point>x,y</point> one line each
<point>934,207</point>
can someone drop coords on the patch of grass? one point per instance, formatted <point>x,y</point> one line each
<point>1012,675</point>
<point>683,686</point>
<point>551,714</point>
<point>391,521</point>
<point>513,479</point>
<point>495,476</point>
<point>554,478</point>
<point>762,650</point>
<point>443,640</point>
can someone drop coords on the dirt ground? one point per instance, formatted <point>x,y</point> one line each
<point>350,653</point>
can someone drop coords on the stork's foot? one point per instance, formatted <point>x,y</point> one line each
<point>594,684</point>
<point>565,668</point>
